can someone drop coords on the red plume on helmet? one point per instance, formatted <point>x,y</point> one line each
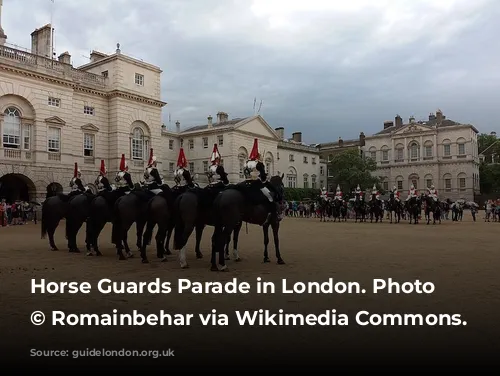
<point>215,157</point>
<point>254,155</point>
<point>151,157</point>
<point>182,161</point>
<point>75,172</point>
<point>123,164</point>
<point>102,171</point>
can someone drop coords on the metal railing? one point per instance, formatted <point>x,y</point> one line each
<point>35,61</point>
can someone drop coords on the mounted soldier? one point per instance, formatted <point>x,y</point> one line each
<point>182,176</point>
<point>324,194</point>
<point>123,179</point>
<point>375,193</point>
<point>396,194</point>
<point>102,181</point>
<point>412,193</point>
<point>256,177</point>
<point>217,177</point>
<point>432,192</point>
<point>76,184</point>
<point>153,180</point>
<point>358,192</point>
<point>338,194</point>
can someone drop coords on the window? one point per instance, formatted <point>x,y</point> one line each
<point>54,140</point>
<point>447,150</point>
<point>461,183</point>
<point>191,166</point>
<point>205,142</point>
<point>385,185</point>
<point>220,140</point>
<point>54,102</point>
<point>242,167</point>
<point>191,144</point>
<point>428,183</point>
<point>27,136</point>
<point>290,158</point>
<point>292,181</point>
<point>385,155</point>
<point>139,79</point>
<point>414,182</point>
<point>428,151</point>
<point>88,145</point>
<point>400,184</point>
<point>87,110</point>
<point>373,155</point>
<point>414,151</point>
<point>171,167</point>
<point>461,149</point>
<point>305,160</point>
<point>321,170</point>
<point>105,74</point>
<point>399,154</point>
<point>313,182</point>
<point>447,184</point>
<point>182,142</point>
<point>205,166</point>
<point>138,144</point>
<point>313,160</point>
<point>306,181</point>
<point>171,144</point>
<point>12,128</point>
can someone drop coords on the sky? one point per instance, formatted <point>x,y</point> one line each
<point>326,68</point>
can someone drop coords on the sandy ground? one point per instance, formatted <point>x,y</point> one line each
<point>461,259</point>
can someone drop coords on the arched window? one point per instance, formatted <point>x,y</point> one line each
<point>292,178</point>
<point>399,183</point>
<point>413,179</point>
<point>446,148</point>
<point>462,181</point>
<point>306,181</point>
<point>385,153</point>
<point>138,144</point>
<point>373,153</point>
<point>461,146</point>
<point>447,182</point>
<point>414,150</point>
<point>400,155</point>
<point>12,128</point>
<point>428,149</point>
<point>428,180</point>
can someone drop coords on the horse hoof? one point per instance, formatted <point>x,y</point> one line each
<point>75,250</point>
<point>199,255</point>
<point>237,259</point>
<point>130,255</point>
<point>145,261</point>
<point>54,249</point>
<point>281,262</point>
<point>98,253</point>
<point>159,255</point>
<point>164,259</point>
<point>168,253</point>
<point>266,259</point>
<point>214,268</point>
<point>89,253</point>
<point>222,268</point>
<point>185,266</point>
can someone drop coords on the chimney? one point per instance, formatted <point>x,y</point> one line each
<point>96,56</point>
<point>41,41</point>
<point>280,131</point>
<point>398,121</point>
<point>341,142</point>
<point>178,126</point>
<point>439,116</point>
<point>209,118</point>
<point>388,124</point>
<point>362,139</point>
<point>222,117</point>
<point>65,58</point>
<point>411,120</point>
<point>297,136</point>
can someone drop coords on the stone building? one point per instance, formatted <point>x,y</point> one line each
<point>53,115</point>
<point>438,151</point>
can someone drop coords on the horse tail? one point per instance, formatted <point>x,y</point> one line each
<point>45,219</point>
<point>179,224</point>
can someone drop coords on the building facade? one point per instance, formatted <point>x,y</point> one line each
<point>438,152</point>
<point>53,115</point>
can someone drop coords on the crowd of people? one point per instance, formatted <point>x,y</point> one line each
<point>15,213</point>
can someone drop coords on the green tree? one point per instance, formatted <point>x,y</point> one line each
<point>484,141</point>
<point>350,169</point>
<point>489,173</point>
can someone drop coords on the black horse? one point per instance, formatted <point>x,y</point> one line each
<point>359,207</point>
<point>325,209</point>
<point>74,207</point>
<point>337,206</point>
<point>101,211</point>
<point>433,206</point>
<point>394,206</point>
<point>232,207</point>
<point>160,212</point>
<point>414,207</point>
<point>376,210</point>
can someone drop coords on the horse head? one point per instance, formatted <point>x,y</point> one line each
<point>277,183</point>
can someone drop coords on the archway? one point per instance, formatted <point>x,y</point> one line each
<point>15,187</point>
<point>54,189</point>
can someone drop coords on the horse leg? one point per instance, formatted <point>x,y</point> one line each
<point>265,229</point>
<point>71,231</point>
<point>76,229</point>
<point>236,237</point>
<point>170,230</point>
<point>198,235</point>
<point>276,228</point>
<point>89,236</point>
<point>222,267</point>
<point>160,241</point>
<point>139,227</point>
<point>51,229</point>
<point>125,244</point>
<point>428,215</point>
<point>96,231</point>
<point>146,239</point>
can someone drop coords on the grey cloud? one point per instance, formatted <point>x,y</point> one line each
<point>327,74</point>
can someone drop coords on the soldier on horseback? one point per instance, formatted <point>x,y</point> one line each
<point>324,194</point>
<point>123,179</point>
<point>182,176</point>
<point>101,187</point>
<point>396,194</point>
<point>412,192</point>
<point>338,194</point>
<point>217,177</point>
<point>432,192</point>
<point>153,180</point>
<point>375,193</point>
<point>255,175</point>
<point>359,192</point>
<point>76,184</point>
